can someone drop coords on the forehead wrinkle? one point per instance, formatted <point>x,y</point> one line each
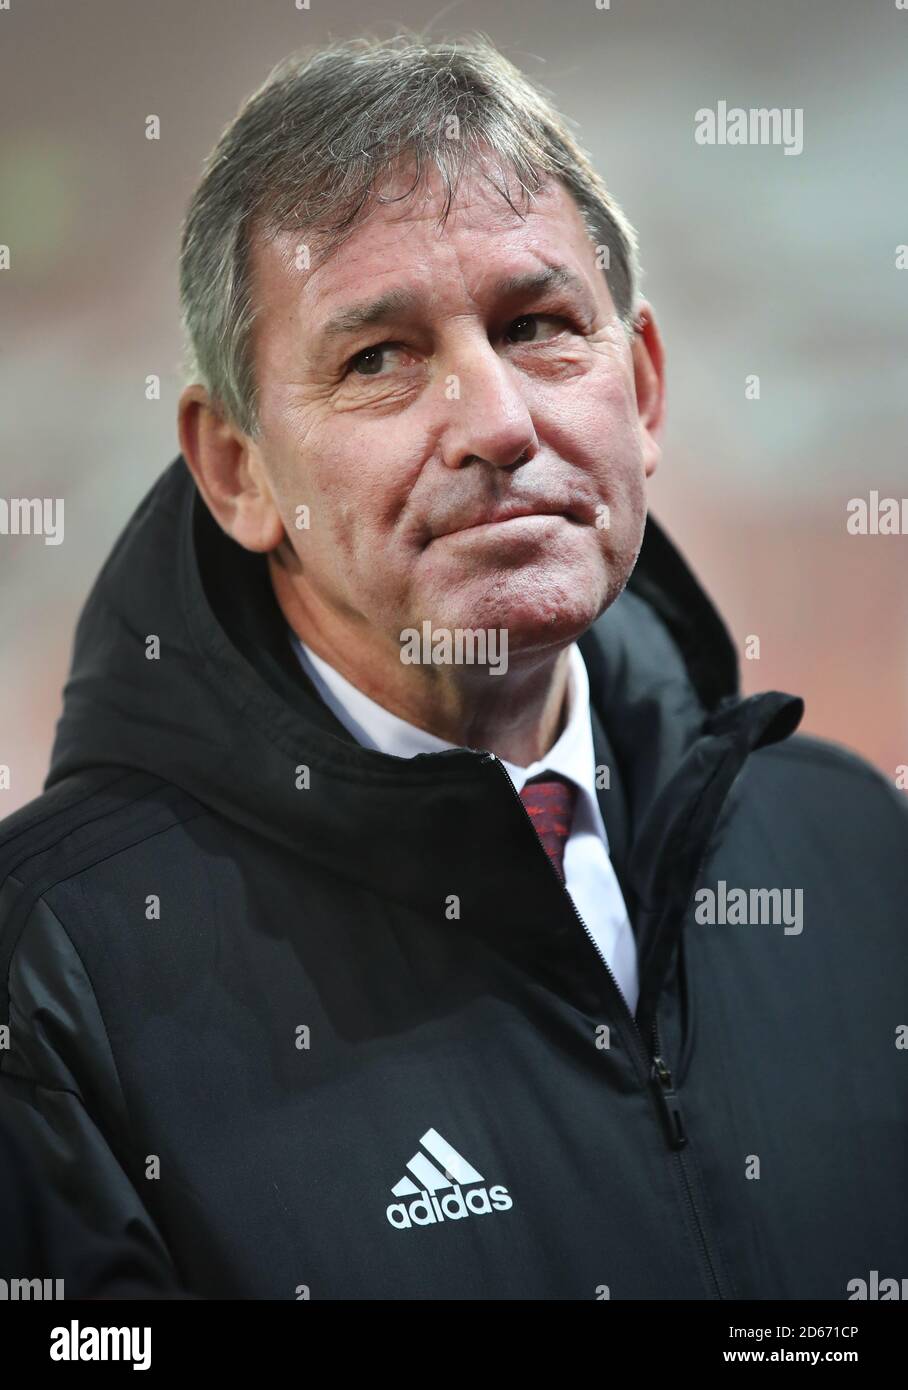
<point>393,301</point>
<point>399,301</point>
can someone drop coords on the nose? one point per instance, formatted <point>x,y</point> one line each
<point>488,417</point>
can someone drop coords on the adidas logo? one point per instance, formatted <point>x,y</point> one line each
<point>451,1174</point>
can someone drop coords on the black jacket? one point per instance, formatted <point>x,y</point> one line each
<point>242,997</point>
<point>48,1252</point>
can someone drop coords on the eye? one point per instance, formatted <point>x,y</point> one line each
<point>369,361</point>
<point>524,329</point>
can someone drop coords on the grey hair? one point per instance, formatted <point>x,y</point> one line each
<point>308,148</point>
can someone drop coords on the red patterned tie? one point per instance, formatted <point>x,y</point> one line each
<point>549,799</point>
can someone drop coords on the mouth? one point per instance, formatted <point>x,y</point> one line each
<point>509,517</point>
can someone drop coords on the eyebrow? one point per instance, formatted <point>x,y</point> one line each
<point>396,302</point>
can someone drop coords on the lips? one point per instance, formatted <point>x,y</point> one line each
<point>501,513</point>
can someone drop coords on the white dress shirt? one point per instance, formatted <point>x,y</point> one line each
<point>590,877</point>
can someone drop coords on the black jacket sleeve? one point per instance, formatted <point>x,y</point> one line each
<point>65,1117</point>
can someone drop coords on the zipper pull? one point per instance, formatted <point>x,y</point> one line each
<point>661,1078</point>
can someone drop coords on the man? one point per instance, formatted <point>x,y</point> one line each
<point>415,907</point>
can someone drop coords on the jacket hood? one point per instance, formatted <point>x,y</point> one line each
<point>227,713</point>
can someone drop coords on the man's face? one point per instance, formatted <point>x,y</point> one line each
<point>421,387</point>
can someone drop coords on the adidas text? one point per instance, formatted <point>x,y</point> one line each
<point>426,1210</point>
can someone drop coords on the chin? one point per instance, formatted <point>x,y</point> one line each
<point>538,609</point>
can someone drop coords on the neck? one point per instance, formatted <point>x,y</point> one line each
<point>517,715</point>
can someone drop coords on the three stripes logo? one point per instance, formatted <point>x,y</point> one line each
<point>450,1174</point>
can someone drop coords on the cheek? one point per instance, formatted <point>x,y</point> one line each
<point>606,445</point>
<point>621,484</point>
<point>595,423</point>
<point>352,495</point>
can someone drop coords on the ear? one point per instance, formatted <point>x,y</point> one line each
<point>649,380</point>
<point>228,471</point>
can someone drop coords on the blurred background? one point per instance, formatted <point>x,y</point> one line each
<point>757,264</point>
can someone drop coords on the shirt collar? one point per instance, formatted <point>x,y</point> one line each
<point>572,755</point>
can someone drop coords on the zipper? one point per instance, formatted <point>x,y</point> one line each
<point>655,1067</point>
<point>677,1135</point>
